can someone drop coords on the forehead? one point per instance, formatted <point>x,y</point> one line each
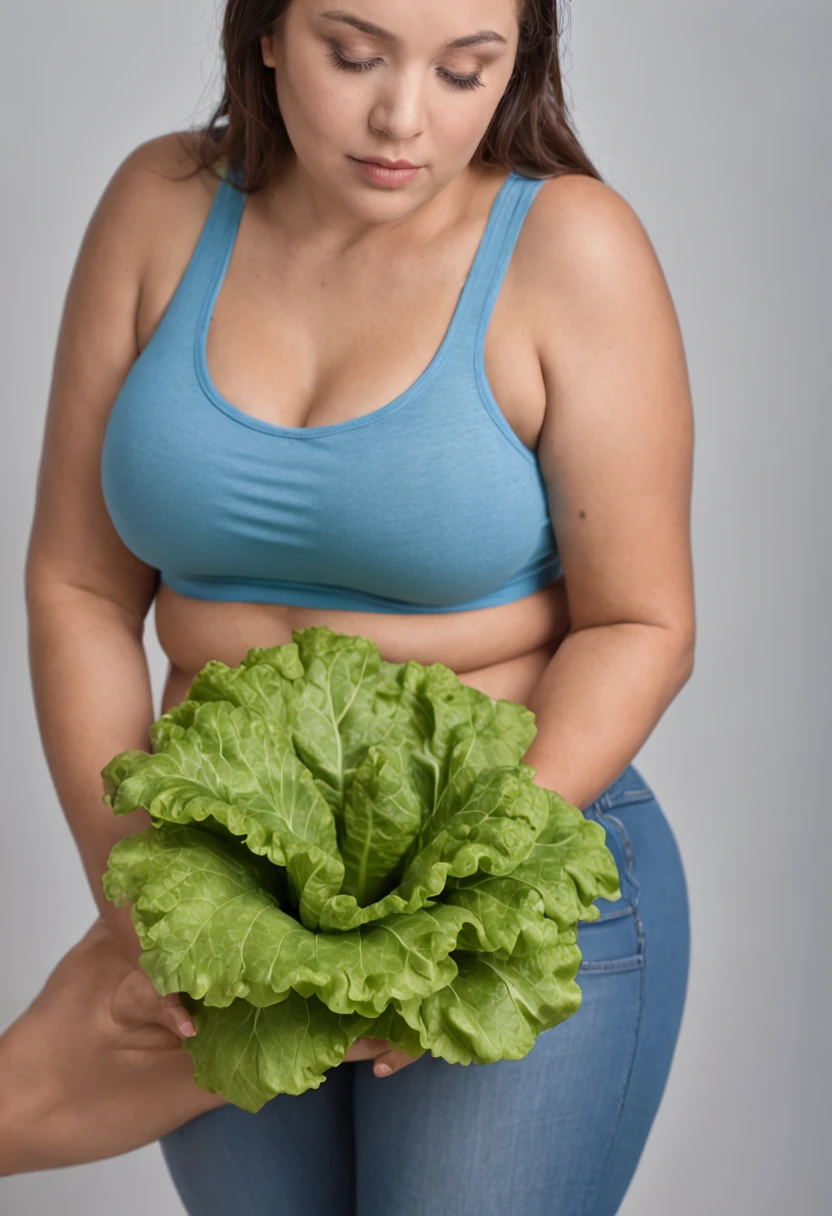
<point>460,24</point>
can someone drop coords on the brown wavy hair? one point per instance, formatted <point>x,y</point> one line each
<point>530,132</point>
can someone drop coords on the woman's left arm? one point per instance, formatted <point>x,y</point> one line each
<point>616,453</point>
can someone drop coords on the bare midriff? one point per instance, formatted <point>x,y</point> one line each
<point>502,651</point>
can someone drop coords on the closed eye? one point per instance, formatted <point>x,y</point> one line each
<point>363,65</point>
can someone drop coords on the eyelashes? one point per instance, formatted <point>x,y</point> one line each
<point>363,65</point>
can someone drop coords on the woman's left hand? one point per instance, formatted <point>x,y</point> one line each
<point>386,1057</point>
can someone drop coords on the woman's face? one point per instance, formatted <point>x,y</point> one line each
<point>418,98</point>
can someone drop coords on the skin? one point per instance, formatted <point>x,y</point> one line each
<point>318,321</point>
<point>94,1066</point>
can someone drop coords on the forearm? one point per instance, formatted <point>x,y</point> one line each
<point>93,699</point>
<point>598,700</point>
<point>26,1098</point>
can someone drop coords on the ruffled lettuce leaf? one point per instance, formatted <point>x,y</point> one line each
<point>344,847</point>
<point>249,1055</point>
<point>209,928</point>
<point>231,764</point>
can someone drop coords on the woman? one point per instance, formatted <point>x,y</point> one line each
<point>294,388</point>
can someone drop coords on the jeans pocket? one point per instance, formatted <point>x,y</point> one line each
<point>628,788</point>
<point>615,941</point>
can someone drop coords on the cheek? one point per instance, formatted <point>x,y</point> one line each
<point>337,112</point>
<point>312,101</point>
<point>461,125</point>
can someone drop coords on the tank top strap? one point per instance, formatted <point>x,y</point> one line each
<point>499,241</point>
<point>211,252</point>
<point>485,277</point>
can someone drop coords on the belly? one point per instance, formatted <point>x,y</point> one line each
<point>501,651</point>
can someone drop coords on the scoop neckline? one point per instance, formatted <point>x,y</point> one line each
<point>227,407</point>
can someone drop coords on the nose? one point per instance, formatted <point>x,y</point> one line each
<point>398,108</point>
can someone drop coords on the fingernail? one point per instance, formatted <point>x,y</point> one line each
<point>383,1070</point>
<point>188,1029</point>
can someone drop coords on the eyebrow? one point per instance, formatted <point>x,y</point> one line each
<point>368,27</point>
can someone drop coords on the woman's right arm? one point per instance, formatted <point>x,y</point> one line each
<point>87,595</point>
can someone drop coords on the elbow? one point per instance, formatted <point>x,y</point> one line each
<point>677,642</point>
<point>685,654</point>
<point>687,665</point>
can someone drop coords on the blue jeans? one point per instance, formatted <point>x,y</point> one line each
<point>558,1133</point>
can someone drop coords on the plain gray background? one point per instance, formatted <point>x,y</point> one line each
<point>712,119</point>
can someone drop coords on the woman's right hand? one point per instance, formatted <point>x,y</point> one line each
<point>95,1066</point>
<point>121,928</point>
<point>123,934</point>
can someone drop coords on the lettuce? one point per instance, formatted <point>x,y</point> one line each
<point>343,847</point>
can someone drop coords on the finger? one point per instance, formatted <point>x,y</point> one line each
<point>393,1061</point>
<point>367,1049</point>
<point>137,1003</point>
<point>175,1015</point>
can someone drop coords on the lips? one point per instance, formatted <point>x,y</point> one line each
<point>388,164</point>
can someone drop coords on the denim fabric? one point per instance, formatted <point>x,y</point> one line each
<point>558,1133</point>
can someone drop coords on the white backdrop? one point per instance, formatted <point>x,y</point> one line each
<point>713,120</point>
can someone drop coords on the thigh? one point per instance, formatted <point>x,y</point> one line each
<point>294,1157</point>
<point>560,1132</point>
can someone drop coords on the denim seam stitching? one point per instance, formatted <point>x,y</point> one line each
<point>600,966</point>
<point>625,841</point>
<point>616,915</point>
<point>620,832</point>
<point>634,888</point>
<point>593,1190</point>
<point>641,793</point>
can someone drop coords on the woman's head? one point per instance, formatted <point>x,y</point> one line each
<point>440,84</point>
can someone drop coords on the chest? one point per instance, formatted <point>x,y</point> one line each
<point>303,343</point>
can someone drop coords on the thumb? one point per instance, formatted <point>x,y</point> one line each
<point>137,1003</point>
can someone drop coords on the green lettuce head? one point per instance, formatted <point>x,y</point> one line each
<point>342,848</point>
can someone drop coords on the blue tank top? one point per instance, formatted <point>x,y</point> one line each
<point>430,503</point>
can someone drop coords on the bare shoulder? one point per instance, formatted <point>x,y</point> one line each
<point>170,161</point>
<point>584,245</point>
<point>579,223</point>
<point>157,188</point>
